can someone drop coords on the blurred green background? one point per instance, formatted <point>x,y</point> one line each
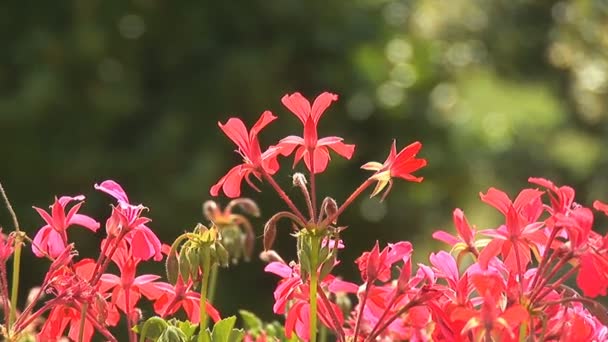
<point>497,91</point>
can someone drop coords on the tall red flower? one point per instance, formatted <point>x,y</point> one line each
<point>399,165</point>
<point>254,161</point>
<point>52,238</point>
<point>315,151</point>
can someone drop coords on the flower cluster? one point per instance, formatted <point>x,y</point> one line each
<point>508,283</point>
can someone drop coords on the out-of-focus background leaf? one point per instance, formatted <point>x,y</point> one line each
<point>497,91</point>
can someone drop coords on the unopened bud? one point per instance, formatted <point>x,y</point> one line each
<point>299,180</point>
<point>210,210</point>
<point>330,208</point>
<point>270,233</point>
<point>245,204</point>
<point>271,255</point>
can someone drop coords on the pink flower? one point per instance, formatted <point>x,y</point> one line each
<point>465,239</point>
<point>254,161</point>
<point>399,165</point>
<point>126,219</point>
<point>295,292</point>
<point>315,151</point>
<point>52,238</point>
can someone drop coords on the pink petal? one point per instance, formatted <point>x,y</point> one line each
<point>298,105</point>
<point>45,216</point>
<point>262,122</point>
<point>84,221</point>
<point>497,199</point>
<point>230,183</point>
<point>278,268</point>
<point>322,102</point>
<point>113,189</point>
<point>235,129</point>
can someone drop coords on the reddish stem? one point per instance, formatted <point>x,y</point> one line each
<point>368,285</point>
<point>283,195</point>
<point>347,203</point>
<point>336,322</point>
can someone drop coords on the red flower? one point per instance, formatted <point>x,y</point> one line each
<point>52,238</point>
<point>180,295</point>
<point>491,320</point>
<point>521,231</point>
<point>311,148</point>
<point>400,165</point>
<point>127,289</point>
<point>127,218</point>
<point>72,291</point>
<point>465,239</point>
<point>254,161</point>
<point>601,206</point>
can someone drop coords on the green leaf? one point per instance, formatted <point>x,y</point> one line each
<point>223,329</point>
<point>250,320</point>
<point>236,335</point>
<point>187,328</point>
<point>172,334</point>
<point>152,328</point>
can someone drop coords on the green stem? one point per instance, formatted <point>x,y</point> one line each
<point>83,316</point>
<point>314,280</point>
<point>204,288</point>
<point>212,283</point>
<point>15,280</point>
<point>322,333</point>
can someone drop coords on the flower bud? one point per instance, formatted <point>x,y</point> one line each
<point>299,180</point>
<point>329,208</point>
<point>210,210</point>
<point>245,204</point>
<point>270,255</point>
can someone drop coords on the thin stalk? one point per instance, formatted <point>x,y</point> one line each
<point>347,202</point>
<point>544,260</point>
<point>16,259</point>
<point>204,288</point>
<point>213,283</point>
<point>336,322</point>
<point>540,295</point>
<point>314,280</point>
<point>83,316</point>
<point>553,272</point>
<point>520,271</point>
<point>283,195</point>
<point>15,280</point>
<point>322,333</point>
<point>383,316</point>
<point>397,314</point>
<point>313,188</point>
<point>368,285</point>
<point>131,333</point>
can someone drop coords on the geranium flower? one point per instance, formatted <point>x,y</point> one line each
<point>254,161</point>
<point>172,298</point>
<point>52,238</point>
<point>295,292</point>
<point>521,230</point>
<point>399,165</point>
<point>315,151</point>
<point>127,218</point>
<point>72,290</point>
<point>127,289</point>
